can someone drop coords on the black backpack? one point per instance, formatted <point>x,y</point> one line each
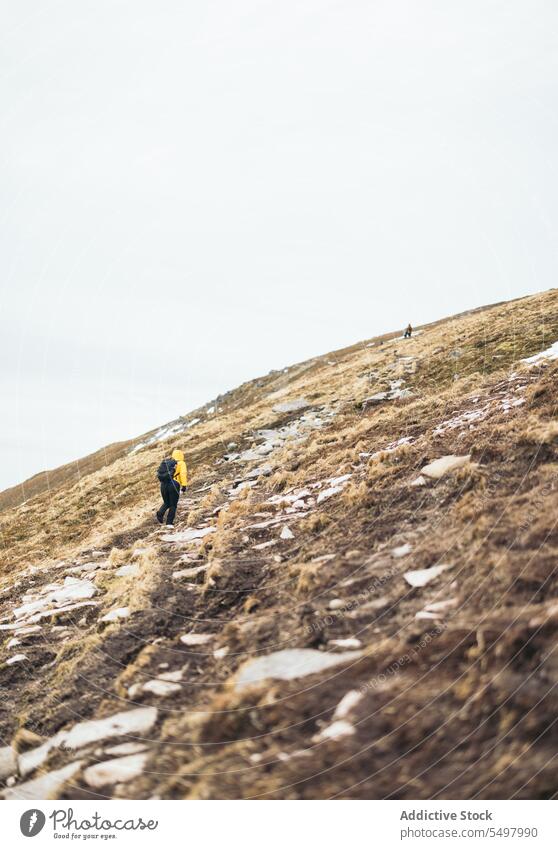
<point>166,470</point>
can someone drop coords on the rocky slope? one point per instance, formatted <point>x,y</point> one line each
<point>359,599</point>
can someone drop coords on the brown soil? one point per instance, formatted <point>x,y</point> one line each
<point>459,706</point>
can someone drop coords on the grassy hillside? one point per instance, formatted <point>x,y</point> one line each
<point>420,612</point>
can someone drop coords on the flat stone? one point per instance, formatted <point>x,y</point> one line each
<point>401,550</point>
<point>445,465</point>
<point>336,731</point>
<point>421,577</point>
<point>220,653</point>
<point>328,493</point>
<point>138,721</point>
<point>125,749</point>
<point>192,572</point>
<point>289,664</point>
<point>129,569</point>
<point>249,455</point>
<point>196,639</point>
<point>190,535</point>
<point>348,643</point>
<point>159,687</point>
<point>262,545</point>
<point>286,533</point>
<point>26,632</point>
<point>341,479</point>
<point>116,614</point>
<point>117,770</point>
<point>17,658</point>
<point>548,354</point>
<point>51,613</point>
<point>259,471</point>
<point>291,406</point>
<point>349,701</point>
<point>47,786</point>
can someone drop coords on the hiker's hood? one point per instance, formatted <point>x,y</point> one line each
<point>177,455</point>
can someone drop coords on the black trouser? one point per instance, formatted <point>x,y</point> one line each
<point>170,492</point>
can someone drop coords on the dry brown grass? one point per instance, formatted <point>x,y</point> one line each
<point>461,518</point>
<point>306,577</point>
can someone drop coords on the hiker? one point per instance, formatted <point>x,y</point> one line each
<point>408,331</point>
<point>173,476</point>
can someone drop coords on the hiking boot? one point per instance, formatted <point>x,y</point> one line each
<point>169,526</point>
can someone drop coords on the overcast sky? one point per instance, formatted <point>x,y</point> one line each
<point>194,193</point>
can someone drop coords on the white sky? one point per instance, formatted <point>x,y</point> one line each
<point>193,193</point>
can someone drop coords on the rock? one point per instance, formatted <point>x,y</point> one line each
<point>47,786</point>
<point>129,569</point>
<point>286,533</point>
<point>420,481</point>
<point>259,471</point>
<point>291,406</point>
<point>159,687</point>
<point>445,465</point>
<point>548,354</point>
<point>196,639</point>
<point>51,613</point>
<point>138,721</point>
<point>192,572</point>
<point>375,399</point>
<point>74,589</point>
<point>190,535</point>
<point>250,455</point>
<point>421,577</point>
<point>116,614</point>
<point>262,545</point>
<point>348,643</point>
<point>349,701</point>
<point>336,604</point>
<point>288,664</point>
<point>335,731</point>
<point>82,567</point>
<point>424,614</point>
<point>126,749</point>
<point>328,493</point>
<point>11,644</point>
<point>219,654</point>
<point>26,632</point>
<point>401,550</point>
<point>8,762</point>
<point>342,479</point>
<point>164,685</point>
<point>17,658</point>
<point>117,770</point>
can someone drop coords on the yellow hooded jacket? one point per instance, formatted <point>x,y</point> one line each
<point>181,473</point>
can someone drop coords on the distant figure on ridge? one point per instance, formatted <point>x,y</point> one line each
<point>408,331</point>
<point>173,477</point>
